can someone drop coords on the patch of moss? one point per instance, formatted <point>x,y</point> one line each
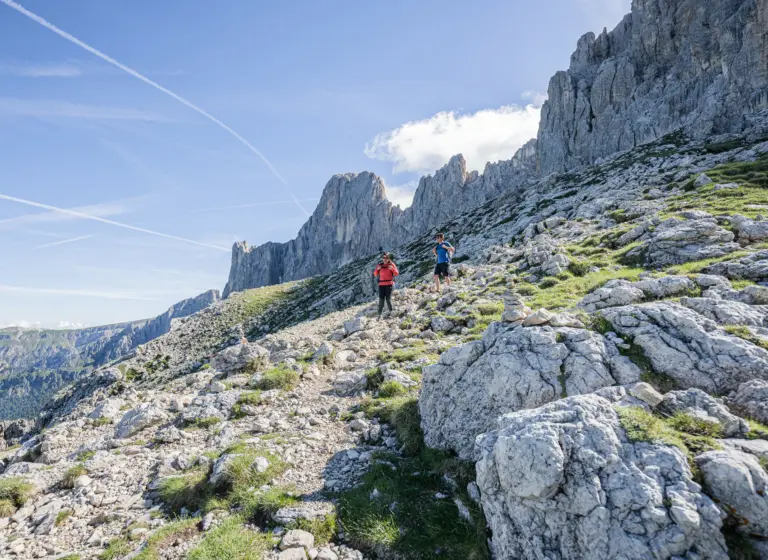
<point>232,539</point>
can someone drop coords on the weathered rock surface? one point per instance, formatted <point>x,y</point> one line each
<point>509,369</point>
<point>641,81</point>
<point>563,481</point>
<point>751,400</point>
<point>739,483</point>
<point>688,347</point>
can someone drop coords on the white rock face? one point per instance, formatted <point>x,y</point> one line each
<point>688,347</point>
<point>726,312</point>
<point>751,400</point>
<point>509,369</point>
<point>139,418</point>
<point>615,95</point>
<point>739,483</point>
<point>240,357</point>
<point>110,408</point>
<point>562,481</point>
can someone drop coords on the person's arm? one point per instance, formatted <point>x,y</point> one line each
<point>434,251</point>
<point>395,272</point>
<point>376,270</point>
<point>449,247</point>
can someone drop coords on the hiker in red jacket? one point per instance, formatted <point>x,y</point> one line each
<point>385,271</point>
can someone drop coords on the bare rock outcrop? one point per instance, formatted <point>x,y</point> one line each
<point>563,481</point>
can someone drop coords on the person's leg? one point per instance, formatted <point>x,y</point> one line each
<point>437,283</point>
<point>389,298</point>
<point>382,295</point>
<point>447,276</point>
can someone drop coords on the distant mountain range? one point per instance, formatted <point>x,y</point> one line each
<point>35,363</point>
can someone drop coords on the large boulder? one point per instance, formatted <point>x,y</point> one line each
<point>615,293</point>
<point>739,484</point>
<point>509,369</point>
<point>211,405</point>
<point>749,231</point>
<point>751,400</point>
<point>139,418</point>
<point>750,267</point>
<point>248,357</point>
<point>108,409</point>
<point>688,347</point>
<point>564,482</point>
<point>676,241</point>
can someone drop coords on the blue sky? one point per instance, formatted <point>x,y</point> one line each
<point>318,87</point>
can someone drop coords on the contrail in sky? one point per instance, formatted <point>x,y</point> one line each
<point>21,9</point>
<point>77,214</point>
<point>63,242</point>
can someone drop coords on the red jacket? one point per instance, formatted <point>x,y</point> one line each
<point>386,274</point>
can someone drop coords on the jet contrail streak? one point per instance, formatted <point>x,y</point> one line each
<point>110,222</point>
<point>63,242</point>
<point>34,17</point>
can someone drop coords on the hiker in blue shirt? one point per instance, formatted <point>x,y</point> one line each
<point>443,251</point>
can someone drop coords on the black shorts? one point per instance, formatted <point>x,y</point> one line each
<point>442,270</point>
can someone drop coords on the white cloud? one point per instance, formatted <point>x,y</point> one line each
<point>33,70</point>
<point>402,195</point>
<point>536,97</point>
<point>70,325</point>
<point>487,135</point>
<point>42,108</point>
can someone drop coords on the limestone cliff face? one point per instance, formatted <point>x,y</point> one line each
<point>354,219</point>
<point>700,65</point>
<point>697,64</point>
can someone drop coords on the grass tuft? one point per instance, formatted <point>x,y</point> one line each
<point>745,333</point>
<point>279,377</point>
<point>16,491</point>
<point>232,540</point>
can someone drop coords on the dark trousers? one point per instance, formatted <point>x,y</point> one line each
<point>385,294</point>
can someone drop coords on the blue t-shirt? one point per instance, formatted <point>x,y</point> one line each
<point>443,256</point>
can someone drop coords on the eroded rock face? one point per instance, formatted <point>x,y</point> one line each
<point>641,81</point>
<point>739,483</point>
<point>139,418</point>
<point>690,348</point>
<point>241,357</point>
<point>679,241</point>
<point>562,481</point>
<point>751,400</point>
<point>509,369</point>
<point>750,267</point>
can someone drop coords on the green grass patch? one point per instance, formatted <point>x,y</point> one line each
<point>746,334</point>
<point>116,549</point>
<point>684,422</point>
<point>390,389</point>
<point>490,309</point>
<point>323,528</point>
<point>374,379</point>
<point>233,541</point>
<point>568,293</point>
<point>103,421</point>
<point>165,536</point>
<point>16,490</point>
<point>71,474</point>
<point>7,508</point>
<point>62,517</point>
<point>249,398</point>
<point>259,506</point>
<point>420,522</point>
<point>756,430</point>
<point>279,377</point>
<point>203,423</point>
<point>641,425</point>
<point>190,490</point>
<point>400,355</point>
